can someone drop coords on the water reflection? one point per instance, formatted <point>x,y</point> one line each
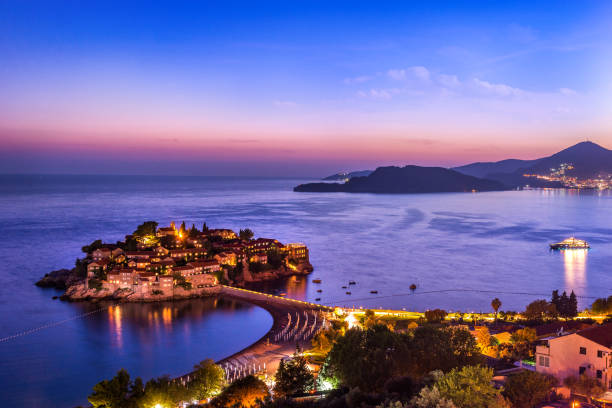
<point>574,262</point>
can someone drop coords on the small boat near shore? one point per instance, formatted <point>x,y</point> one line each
<point>570,243</point>
<point>352,283</point>
<point>374,291</point>
<point>316,281</point>
<point>319,290</point>
<point>348,293</point>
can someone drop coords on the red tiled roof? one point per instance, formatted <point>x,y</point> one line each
<point>568,326</point>
<point>601,335</point>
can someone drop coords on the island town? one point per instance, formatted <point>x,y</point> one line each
<point>161,263</point>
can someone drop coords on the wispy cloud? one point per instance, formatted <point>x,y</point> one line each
<point>358,80</point>
<point>416,72</point>
<point>374,93</point>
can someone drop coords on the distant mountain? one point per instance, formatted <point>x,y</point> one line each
<point>588,159</point>
<point>349,175</point>
<point>408,179</point>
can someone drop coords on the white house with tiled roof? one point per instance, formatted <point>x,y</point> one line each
<point>587,352</point>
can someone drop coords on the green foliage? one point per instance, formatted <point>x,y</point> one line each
<point>193,232</point>
<point>443,349</point>
<point>368,358</point>
<point>168,241</point>
<point>602,306</point>
<point>430,397</point>
<point>162,391</point>
<point>246,234</point>
<point>523,343</point>
<point>539,310</point>
<point>528,388</point>
<point>435,315</point>
<point>113,393</point>
<point>245,392</point>
<point>207,380</point>
<point>585,385</point>
<point>566,306</point>
<point>275,258</point>
<point>496,304</point>
<point>293,377</point>
<point>145,233</point>
<point>469,387</point>
<point>80,268</point>
<point>97,244</point>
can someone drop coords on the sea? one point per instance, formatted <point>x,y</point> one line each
<point>461,250</point>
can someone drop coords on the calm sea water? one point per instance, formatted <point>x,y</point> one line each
<point>461,250</point>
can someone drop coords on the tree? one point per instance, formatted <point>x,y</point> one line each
<point>163,391</point>
<point>470,387</point>
<point>369,319</point>
<point>523,343</point>
<point>206,380</point>
<point>245,234</point>
<point>496,304</point>
<point>204,227</point>
<point>435,315</point>
<point>602,306</point>
<point>585,385</point>
<point>97,244</point>
<point>528,388</point>
<point>113,393</point>
<point>193,232</point>
<point>430,397</point>
<point>572,307</point>
<point>293,377</point>
<point>483,339</point>
<point>179,280</point>
<point>145,233</point>
<point>540,309</point>
<point>244,392</point>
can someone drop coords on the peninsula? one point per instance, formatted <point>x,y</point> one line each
<point>408,179</point>
<point>154,264</point>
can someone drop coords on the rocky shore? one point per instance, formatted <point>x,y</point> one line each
<point>76,288</point>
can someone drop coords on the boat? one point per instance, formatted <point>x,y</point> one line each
<point>319,290</point>
<point>317,299</point>
<point>282,294</point>
<point>344,287</point>
<point>316,281</point>
<point>413,287</point>
<point>352,283</point>
<point>570,243</point>
<point>348,293</point>
<point>373,291</point>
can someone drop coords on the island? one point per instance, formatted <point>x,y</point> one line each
<point>162,263</point>
<point>408,179</point>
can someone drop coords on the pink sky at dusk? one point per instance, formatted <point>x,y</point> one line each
<point>270,95</point>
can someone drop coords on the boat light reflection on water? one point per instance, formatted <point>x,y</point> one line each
<point>574,262</point>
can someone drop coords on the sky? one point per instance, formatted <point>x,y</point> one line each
<point>297,88</point>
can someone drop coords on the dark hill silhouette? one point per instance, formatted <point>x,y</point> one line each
<point>408,179</point>
<point>589,160</point>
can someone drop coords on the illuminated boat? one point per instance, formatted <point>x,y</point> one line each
<point>570,243</point>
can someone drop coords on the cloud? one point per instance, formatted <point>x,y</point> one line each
<point>387,93</point>
<point>449,81</point>
<point>358,80</point>
<point>500,90</point>
<point>285,104</point>
<point>416,72</point>
<point>567,91</point>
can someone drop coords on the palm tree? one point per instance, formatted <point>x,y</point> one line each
<point>496,304</point>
